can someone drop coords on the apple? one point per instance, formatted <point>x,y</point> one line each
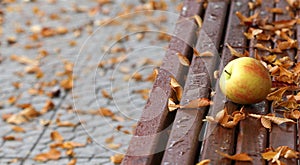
<point>245,80</point>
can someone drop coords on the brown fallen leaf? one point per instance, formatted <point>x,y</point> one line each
<point>280,152</point>
<point>237,157</point>
<point>49,105</point>
<point>64,123</point>
<point>23,116</point>
<point>114,145</point>
<point>71,145</point>
<point>10,138</point>
<point>105,112</point>
<point>53,154</point>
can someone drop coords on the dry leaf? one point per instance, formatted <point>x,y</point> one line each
<point>64,123</point>
<point>56,136</point>
<point>246,20</point>
<point>278,120</point>
<point>71,145</point>
<point>109,139</point>
<point>277,94</point>
<point>105,112</point>
<point>53,154</point>
<point>197,103</point>
<point>18,129</point>
<point>105,94</point>
<point>183,59</point>
<point>24,116</point>
<point>176,88</point>
<point>234,52</point>
<point>204,162</point>
<point>72,161</point>
<point>172,106</point>
<point>24,60</point>
<point>117,158</point>
<point>266,123</point>
<point>114,146</point>
<point>294,114</point>
<point>206,54</point>
<point>49,105</point>
<point>198,20</point>
<point>237,157</point>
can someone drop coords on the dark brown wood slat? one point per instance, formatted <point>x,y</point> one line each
<point>217,137</point>
<point>284,134</point>
<point>149,140</point>
<point>252,136</point>
<point>183,141</point>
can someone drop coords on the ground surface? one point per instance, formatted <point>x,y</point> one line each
<point>47,44</point>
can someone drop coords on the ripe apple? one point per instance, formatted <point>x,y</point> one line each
<point>245,81</point>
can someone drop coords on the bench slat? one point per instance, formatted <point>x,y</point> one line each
<point>183,140</point>
<point>217,137</point>
<point>252,136</point>
<point>148,143</point>
<point>284,134</point>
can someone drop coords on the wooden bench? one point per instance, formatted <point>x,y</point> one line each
<point>181,137</point>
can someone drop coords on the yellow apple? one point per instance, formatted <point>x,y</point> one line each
<point>245,81</point>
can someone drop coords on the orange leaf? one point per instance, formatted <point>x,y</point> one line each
<point>55,136</point>
<point>237,157</point>
<point>234,52</point>
<point>204,162</point>
<point>266,123</point>
<point>117,158</point>
<point>53,154</point>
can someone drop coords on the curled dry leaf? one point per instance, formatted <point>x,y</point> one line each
<point>246,20</point>
<point>198,20</point>
<point>64,123</point>
<point>272,118</point>
<point>225,120</point>
<point>183,59</point>
<point>266,123</point>
<point>204,162</point>
<point>234,52</point>
<point>293,114</point>
<point>197,103</point>
<point>24,116</point>
<point>172,105</point>
<point>237,157</point>
<point>176,88</point>
<point>277,94</point>
<point>24,60</point>
<point>281,151</point>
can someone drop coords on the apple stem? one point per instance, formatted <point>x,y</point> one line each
<point>227,72</point>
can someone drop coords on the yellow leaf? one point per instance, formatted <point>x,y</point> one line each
<point>268,155</point>
<point>204,162</point>
<point>72,162</point>
<point>237,157</point>
<point>172,105</point>
<point>53,154</point>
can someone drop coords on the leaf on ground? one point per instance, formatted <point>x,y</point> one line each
<point>117,158</point>
<point>18,129</point>
<point>72,161</point>
<point>56,136</point>
<point>24,116</point>
<point>53,154</point>
<point>237,157</point>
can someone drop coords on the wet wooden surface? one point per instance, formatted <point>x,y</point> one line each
<point>190,139</point>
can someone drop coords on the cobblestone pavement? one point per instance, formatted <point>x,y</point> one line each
<point>107,47</point>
